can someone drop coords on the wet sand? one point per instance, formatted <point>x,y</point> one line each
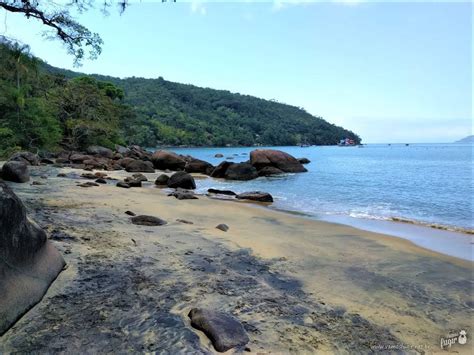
<point>297,285</point>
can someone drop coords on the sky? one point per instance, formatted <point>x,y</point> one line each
<point>389,71</point>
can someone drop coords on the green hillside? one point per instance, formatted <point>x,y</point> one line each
<point>44,107</point>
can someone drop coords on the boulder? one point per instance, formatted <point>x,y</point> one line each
<point>143,220</point>
<point>163,159</point>
<point>15,171</point>
<point>256,196</point>
<point>198,166</point>
<point>221,192</point>
<point>221,169</point>
<point>78,158</point>
<point>269,171</point>
<point>29,263</point>
<point>241,171</point>
<point>125,162</point>
<point>102,151</point>
<point>121,149</point>
<point>261,158</point>
<point>140,166</point>
<point>26,157</point>
<point>304,160</point>
<point>224,331</point>
<point>183,180</point>
<point>162,180</point>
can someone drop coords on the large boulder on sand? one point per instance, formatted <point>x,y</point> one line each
<point>140,166</point>
<point>26,157</point>
<point>224,331</point>
<point>28,261</point>
<point>261,158</point>
<point>241,171</point>
<point>163,159</point>
<point>15,171</point>
<point>183,180</point>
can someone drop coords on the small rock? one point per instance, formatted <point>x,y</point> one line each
<point>162,180</point>
<point>219,155</point>
<point>184,221</point>
<point>221,192</point>
<point>182,194</point>
<point>101,181</point>
<point>123,185</point>
<point>134,183</point>
<point>304,160</point>
<point>88,184</point>
<point>256,196</point>
<point>224,331</point>
<point>89,176</point>
<point>37,183</point>
<point>140,177</point>
<point>143,220</point>
<point>130,213</point>
<point>62,175</point>
<point>223,227</point>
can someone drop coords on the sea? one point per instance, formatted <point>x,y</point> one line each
<point>428,185</point>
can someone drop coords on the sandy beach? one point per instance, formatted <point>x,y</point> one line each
<point>297,285</point>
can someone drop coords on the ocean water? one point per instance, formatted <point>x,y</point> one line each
<point>426,183</point>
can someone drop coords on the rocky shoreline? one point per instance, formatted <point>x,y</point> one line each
<point>131,288</point>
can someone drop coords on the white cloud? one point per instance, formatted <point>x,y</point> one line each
<point>197,7</point>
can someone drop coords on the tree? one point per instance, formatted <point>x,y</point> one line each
<point>77,38</point>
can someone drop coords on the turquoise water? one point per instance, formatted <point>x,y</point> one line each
<point>427,183</point>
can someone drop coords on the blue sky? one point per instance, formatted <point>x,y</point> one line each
<point>390,71</point>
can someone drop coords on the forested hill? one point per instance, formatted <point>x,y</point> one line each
<point>180,114</point>
<point>45,108</point>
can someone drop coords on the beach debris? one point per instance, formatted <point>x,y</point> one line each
<point>181,179</point>
<point>15,171</point>
<point>223,227</point>
<point>162,180</point>
<point>224,331</point>
<point>256,196</point>
<point>221,192</point>
<point>163,159</point>
<point>182,194</point>
<point>130,213</point>
<point>184,221</point>
<point>144,220</point>
<point>134,241</point>
<point>123,184</point>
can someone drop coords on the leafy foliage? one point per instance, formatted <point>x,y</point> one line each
<point>44,108</point>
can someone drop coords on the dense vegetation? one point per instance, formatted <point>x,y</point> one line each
<point>42,107</point>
